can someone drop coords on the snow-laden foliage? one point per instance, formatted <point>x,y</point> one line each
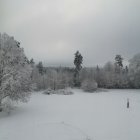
<point>7,105</point>
<point>89,85</point>
<point>134,73</point>
<point>66,91</point>
<point>135,63</point>
<point>112,75</point>
<point>53,78</point>
<point>15,71</point>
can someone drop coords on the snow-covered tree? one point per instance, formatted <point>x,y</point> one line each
<point>15,70</point>
<point>78,60</point>
<point>134,71</point>
<point>40,68</point>
<point>57,78</point>
<point>118,63</point>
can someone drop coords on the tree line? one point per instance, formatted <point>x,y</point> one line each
<point>19,75</point>
<point>112,75</point>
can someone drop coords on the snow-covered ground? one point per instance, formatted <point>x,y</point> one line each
<point>81,116</point>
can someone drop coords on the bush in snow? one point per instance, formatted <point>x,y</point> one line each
<point>7,105</point>
<point>89,85</point>
<point>66,91</point>
<point>48,91</point>
<point>15,71</point>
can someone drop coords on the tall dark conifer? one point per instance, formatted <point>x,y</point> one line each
<point>118,63</point>
<point>78,60</point>
<point>40,68</point>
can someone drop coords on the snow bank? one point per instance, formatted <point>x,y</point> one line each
<point>81,116</point>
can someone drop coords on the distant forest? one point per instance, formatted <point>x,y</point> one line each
<point>112,75</point>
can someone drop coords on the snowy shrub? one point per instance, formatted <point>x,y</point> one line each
<point>7,105</point>
<point>48,91</point>
<point>89,85</point>
<point>66,91</point>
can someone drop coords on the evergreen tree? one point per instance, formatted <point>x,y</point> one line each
<point>78,66</point>
<point>98,75</point>
<point>119,60</point>
<point>32,61</point>
<point>118,63</point>
<point>40,68</point>
<point>126,69</point>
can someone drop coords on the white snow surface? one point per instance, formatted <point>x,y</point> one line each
<point>80,116</point>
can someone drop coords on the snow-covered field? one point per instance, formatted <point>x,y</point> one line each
<point>81,116</point>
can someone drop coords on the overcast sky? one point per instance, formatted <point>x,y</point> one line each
<point>53,30</point>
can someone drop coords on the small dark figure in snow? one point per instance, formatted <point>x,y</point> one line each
<point>127,102</point>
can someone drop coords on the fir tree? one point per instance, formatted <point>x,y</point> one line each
<point>118,63</point>
<point>40,68</point>
<point>78,66</point>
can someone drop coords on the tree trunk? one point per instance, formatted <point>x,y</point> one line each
<point>0,106</point>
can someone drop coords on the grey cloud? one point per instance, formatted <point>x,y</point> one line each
<point>52,31</point>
